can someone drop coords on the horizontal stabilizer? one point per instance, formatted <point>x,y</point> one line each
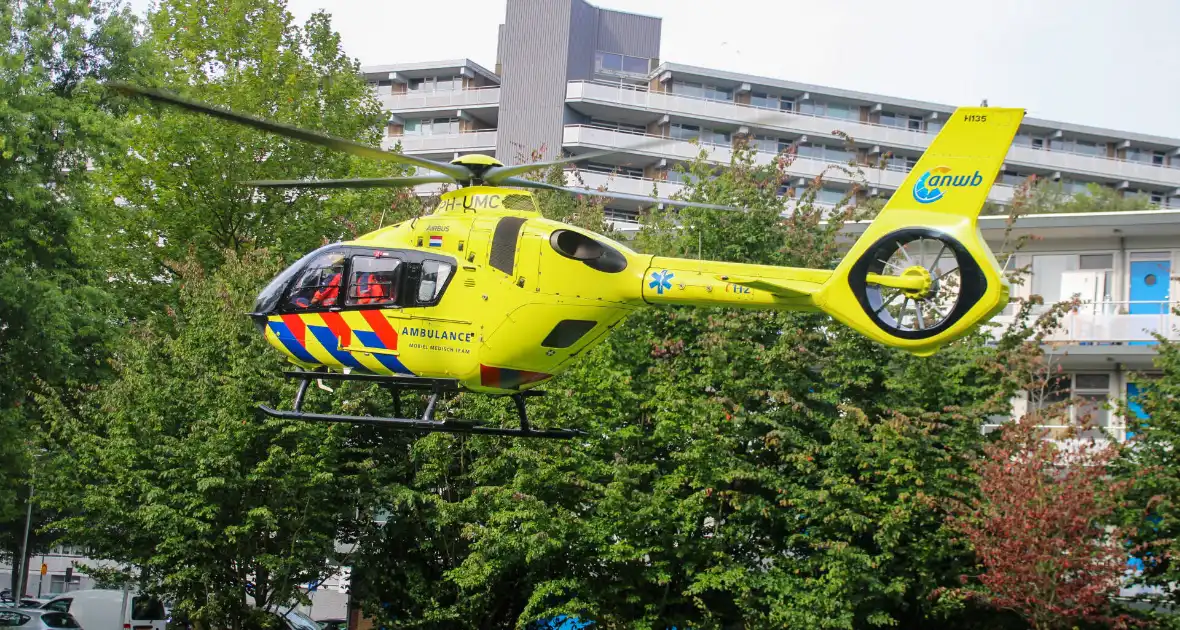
<point>762,284</point>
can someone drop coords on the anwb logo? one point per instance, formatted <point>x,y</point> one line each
<point>931,184</point>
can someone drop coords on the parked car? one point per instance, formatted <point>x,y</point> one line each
<point>332,624</point>
<point>108,609</point>
<point>26,602</point>
<point>35,619</point>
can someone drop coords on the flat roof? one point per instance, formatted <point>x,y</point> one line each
<point>1130,222</point>
<point>737,77</point>
<point>419,69</point>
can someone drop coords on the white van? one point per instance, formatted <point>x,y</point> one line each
<point>101,609</point>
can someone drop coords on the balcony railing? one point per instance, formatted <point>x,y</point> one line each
<point>793,122</point>
<point>482,140</point>
<point>658,146</point>
<point>475,97</point>
<point>1111,323</point>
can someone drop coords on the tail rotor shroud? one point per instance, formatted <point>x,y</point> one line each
<point>952,282</point>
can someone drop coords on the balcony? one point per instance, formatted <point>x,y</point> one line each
<point>457,99</point>
<point>657,147</point>
<point>1112,323</point>
<point>484,140</point>
<point>1094,167</point>
<point>1101,334</point>
<point>597,99</point>
<point>627,185</point>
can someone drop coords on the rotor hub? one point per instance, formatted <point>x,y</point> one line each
<point>929,284</point>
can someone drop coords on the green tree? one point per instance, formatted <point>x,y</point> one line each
<point>1154,418</point>
<point>179,478</point>
<point>743,468</point>
<point>55,315</point>
<point>1044,196</point>
<point>183,192</point>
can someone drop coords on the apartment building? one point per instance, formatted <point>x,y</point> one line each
<point>573,78</point>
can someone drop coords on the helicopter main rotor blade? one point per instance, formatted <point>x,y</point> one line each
<point>372,182</point>
<point>498,175</point>
<point>455,171</point>
<point>528,183</point>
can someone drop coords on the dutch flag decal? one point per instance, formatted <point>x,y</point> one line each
<point>436,241</point>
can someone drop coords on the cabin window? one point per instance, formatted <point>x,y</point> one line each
<point>144,607</point>
<point>11,618</point>
<point>373,281</point>
<point>434,278</point>
<point>318,285</point>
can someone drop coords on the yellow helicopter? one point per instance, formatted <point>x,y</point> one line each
<point>486,295</point>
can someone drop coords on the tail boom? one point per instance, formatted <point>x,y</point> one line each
<point>684,281</point>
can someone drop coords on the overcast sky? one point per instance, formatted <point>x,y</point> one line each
<point>1109,63</point>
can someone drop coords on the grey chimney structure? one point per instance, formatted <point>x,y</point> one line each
<point>543,44</point>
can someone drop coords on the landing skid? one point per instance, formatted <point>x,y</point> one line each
<point>395,384</point>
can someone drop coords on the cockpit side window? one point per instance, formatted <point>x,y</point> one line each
<point>434,279</point>
<point>318,285</point>
<point>374,281</point>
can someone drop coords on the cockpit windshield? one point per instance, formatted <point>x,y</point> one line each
<point>344,277</point>
<point>270,296</point>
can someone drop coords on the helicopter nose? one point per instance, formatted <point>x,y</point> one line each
<point>259,322</point>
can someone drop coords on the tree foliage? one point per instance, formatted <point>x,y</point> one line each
<point>1040,528</point>
<point>178,477</point>
<point>752,468</point>
<point>183,190</point>
<point>739,468</point>
<point>55,316</point>
<point>1154,512</point>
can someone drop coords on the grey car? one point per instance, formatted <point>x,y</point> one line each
<point>36,619</point>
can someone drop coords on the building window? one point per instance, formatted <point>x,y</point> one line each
<point>1057,277</point>
<point>58,584</point>
<point>610,169</point>
<point>712,136</point>
<point>701,90</point>
<point>605,62</point>
<point>903,121</point>
<point>685,132</point>
<point>904,164</point>
<point>1012,178</point>
<point>435,84</point>
<point>618,126</point>
<point>830,196</point>
<point>762,100</point>
<point>636,65</point>
<point>431,126</point>
<point>704,136</point>
<point>842,111</point>
<point>767,144</point>
<point>1091,391</point>
<point>623,216</point>
<point>825,152</point>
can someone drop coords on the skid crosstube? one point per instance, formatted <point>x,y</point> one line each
<point>426,423</point>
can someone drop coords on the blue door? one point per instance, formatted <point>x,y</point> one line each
<point>1133,423</point>
<point>1149,289</point>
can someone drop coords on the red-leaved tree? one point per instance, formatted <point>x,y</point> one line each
<point>1040,528</point>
